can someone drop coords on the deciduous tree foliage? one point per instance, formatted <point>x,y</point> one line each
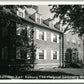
<point>8,14</point>
<point>72,15</point>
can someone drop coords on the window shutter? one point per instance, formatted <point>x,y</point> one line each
<point>57,38</point>
<point>51,54</point>
<point>37,54</point>
<point>45,38</point>
<point>37,34</point>
<point>45,54</point>
<point>57,55</point>
<point>51,37</point>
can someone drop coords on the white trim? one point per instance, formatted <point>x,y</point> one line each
<point>51,54</point>
<point>57,38</point>
<point>57,55</point>
<point>37,34</point>
<point>45,37</point>
<point>21,10</point>
<point>18,13</point>
<point>51,37</point>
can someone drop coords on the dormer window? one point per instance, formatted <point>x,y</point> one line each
<point>21,12</point>
<point>51,24</point>
<point>38,18</point>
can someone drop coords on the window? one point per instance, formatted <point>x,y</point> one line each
<point>51,24</point>
<point>40,35</point>
<point>41,54</point>
<point>54,55</point>
<point>20,14</point>
<point>54,38</point>
<point>38,18</point>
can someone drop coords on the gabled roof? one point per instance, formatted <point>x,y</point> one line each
<point>43,23</point>
<point>18,19</point>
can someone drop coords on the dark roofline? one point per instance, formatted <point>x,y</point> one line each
<point>19,21</point>
<point>32,22</point>
<point>46,26</point>
<point>35,13</point>
<point>54,29</point>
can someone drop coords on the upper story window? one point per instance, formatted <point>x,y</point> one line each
<point>38,18</point>
<point>41,54</point>
<point>54,55</point>
<point>40,35</point>
<point>54,38</point>
<point>21,12</point>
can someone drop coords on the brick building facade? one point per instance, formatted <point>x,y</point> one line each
<point>48,40</point>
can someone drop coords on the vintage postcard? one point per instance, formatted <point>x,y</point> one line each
<point>41,40</point>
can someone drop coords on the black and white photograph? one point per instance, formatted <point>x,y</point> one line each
<point>41,41</point>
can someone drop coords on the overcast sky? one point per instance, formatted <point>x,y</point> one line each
<point>44,10</point>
